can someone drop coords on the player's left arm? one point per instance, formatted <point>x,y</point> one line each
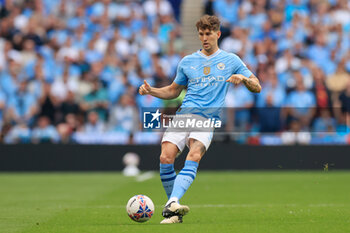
<point>252,83</point>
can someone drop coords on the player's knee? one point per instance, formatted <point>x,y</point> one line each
<point>194,156</point>
<point>166,158</point>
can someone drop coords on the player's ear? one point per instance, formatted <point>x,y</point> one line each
<point>218,34</point>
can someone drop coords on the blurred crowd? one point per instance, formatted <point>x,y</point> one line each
<point>300,51</point>
<point>70,70</point>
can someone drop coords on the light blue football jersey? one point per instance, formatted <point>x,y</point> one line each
<point>205,78</point>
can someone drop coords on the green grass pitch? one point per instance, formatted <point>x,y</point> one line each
<point>242,202</point>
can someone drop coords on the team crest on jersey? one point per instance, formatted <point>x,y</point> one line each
<point>221,66</point>
<point>206,70</point>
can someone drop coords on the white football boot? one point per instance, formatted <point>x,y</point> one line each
<point>175,209</point>
<point>173,219</point>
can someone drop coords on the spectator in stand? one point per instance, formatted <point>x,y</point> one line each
<point>272,88</point>
<point>159,68</point>
<point>37,81</point>
<point>10,78</point>
<point>68,51</point>
<point>318,52</point>
<point>296,7</point>
<point>257,18</point>
<point>227,10</point>
<point>153,8</point>
<point>209,8</point>
<point>284,65</point>
<point>232,43</point>
<point>81,63</point>
<point>28,53</point>
<point>176,5</point>
<point>301,105</point>
<point>80,38</point>
<point>110,69</point>
<point>22,105</point>
<point>166,25</point>
<point>48,105</point>
<point>337,81</point>
<point>171,56</point>
<point>344,98</point>
<point>341,13</point>
<point>69,106</point>
<point>124,115</point>
<point>325,122</point>
<point>96,100</point>
<point>121,45</point>
<point>269,103</point>
<point>85,86</point>
<point>148,101</point>
<point>44,132</point>
<point>94,125</point>
<point>19,133</point>
<point>65,133</point>
<point>74,122</point>
<point>116,88</point>
<point>321,91</point>
<point>89,54</point>
<point>2,107</point>
<point>62,85</point>
<point>3,53</point>
<point>98,8</point>
<point>321,15</point>
<point>240,100</point>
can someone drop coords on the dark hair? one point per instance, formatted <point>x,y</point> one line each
<point>210,22</point>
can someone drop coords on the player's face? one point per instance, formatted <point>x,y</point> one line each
<point>209,39</point>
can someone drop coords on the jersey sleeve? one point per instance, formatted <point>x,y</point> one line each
<point>181,77</point>
<point>240,67</point>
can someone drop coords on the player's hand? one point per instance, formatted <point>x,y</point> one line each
<point>235,79</point>
<point>145,89</point>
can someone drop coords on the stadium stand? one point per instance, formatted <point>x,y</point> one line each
<point>69,70</point>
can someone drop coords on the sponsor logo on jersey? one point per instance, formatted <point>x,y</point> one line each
<point>209,79</point>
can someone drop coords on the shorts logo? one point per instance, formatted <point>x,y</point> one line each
<point>151,120</point>
<point>206,70</point>
<point>221,66</point>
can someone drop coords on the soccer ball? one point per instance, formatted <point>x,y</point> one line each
<point>140,208</point>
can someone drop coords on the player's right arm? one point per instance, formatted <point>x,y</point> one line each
<point>168,92</point>
<point>171,91</point>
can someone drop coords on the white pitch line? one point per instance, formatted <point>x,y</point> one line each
<point>145,176</point>
<point>239,205</point>
<point>263,205</point>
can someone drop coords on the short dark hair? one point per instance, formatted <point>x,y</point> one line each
<point>210,22</point>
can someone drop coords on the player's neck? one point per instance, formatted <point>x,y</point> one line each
<point>210,52</point>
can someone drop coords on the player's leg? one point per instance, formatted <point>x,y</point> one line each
<point>167,172</point>
<point>198,143</point>
<point>186,176</point>
<point>172,144</point>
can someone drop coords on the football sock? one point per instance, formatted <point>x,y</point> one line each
<point>167,176</point>
<point>184,180</point>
